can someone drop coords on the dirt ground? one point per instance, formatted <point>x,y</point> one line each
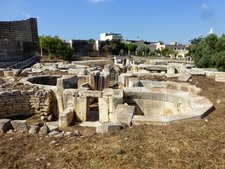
<point>191,145</point>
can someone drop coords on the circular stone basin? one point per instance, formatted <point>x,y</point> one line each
<point>166,102</point>
<point>44,80</point>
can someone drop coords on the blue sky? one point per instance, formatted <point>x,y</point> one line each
<point>153,20</point>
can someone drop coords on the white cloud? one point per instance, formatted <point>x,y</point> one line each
<point>205,6</point>
<point>98,1</point>
<point>207,13</point>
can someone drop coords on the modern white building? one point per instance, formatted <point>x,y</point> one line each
<point>160,45</point>
<point>180,49</point>
<point>110,36</point>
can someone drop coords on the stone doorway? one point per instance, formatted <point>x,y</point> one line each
<point>93,110</point>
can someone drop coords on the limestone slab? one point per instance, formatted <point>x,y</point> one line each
<point>81,108</point>
<point>124,114</point>
<point>108,128</point>
<point>44,129</point>
<point>52,125</point>
<point>184,77</point>
<point>19,125</point>
<point>34,129</point>
<point>220,77</point>
<point>66,118</point>
<point>103,110</point>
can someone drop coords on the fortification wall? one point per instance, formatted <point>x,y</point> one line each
<point>11,51</point>
<point>18,40</point>
<point>24,30</point>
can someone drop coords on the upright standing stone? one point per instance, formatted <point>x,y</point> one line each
<point>124,114</point>
<point>103,109</point>
<point>171,70</point>
<point>81,107</point>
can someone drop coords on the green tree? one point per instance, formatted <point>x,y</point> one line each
<point>113,47</point>
<point>141,51</point>
<point>54,46</point>
<point>64,52</point>
<point>208,51</point>
<point>197,40</point>
<point>219,60</point>
<point>131,48</point>
<point>167,52</point>
<point>147,51</point>
<point>211,41</point>
<point>153,53</point>
<point>220,45</point>
<point>158,52</point>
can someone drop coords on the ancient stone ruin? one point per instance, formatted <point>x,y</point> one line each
<point>109,95</point>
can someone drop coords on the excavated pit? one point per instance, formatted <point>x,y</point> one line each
<point>44,80</point>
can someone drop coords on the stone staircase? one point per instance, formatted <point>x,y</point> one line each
<point>25,63</point>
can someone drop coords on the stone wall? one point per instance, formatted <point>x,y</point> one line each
<point>18,40</point>
<point>82,47</point>
<point>24,30</point>
<point>19,103</point>
<point>14,103</point>
<point>41,102</point>
<point>11,51</point>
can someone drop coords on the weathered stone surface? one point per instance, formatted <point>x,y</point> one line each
<point>5,125</point>
<point>124,114</point>
<point>81,108</point>
<point>44,130</point>
<point>11,81</point>
<point>43,118</point>
<point>184,77</point>
<point>66,118</point>
<point>77,133</point>
<point>5,93</point>
<point>41,102</point>
<point>25,72</point>
<point>108,128</point>
<point>69,134</point>
<point>53,125</point>
<point>50,117</point>
<point>171,69</point>
<point>1,81</point>
<point>197,72</point>
<point>90,124</point>
<point>34,129</point>
<point>103,110</point>
<point>2,72</point>
<point>54,142</point>
<point>220,77</point>
<point>16,92</point>
<point>8,73</point>
<point>53,133</point>
<point>88,93</point>
<point>123,79</point>
<point>69,95</point>
<point>19,125</point>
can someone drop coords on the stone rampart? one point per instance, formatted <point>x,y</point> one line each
<point>24,30</point>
